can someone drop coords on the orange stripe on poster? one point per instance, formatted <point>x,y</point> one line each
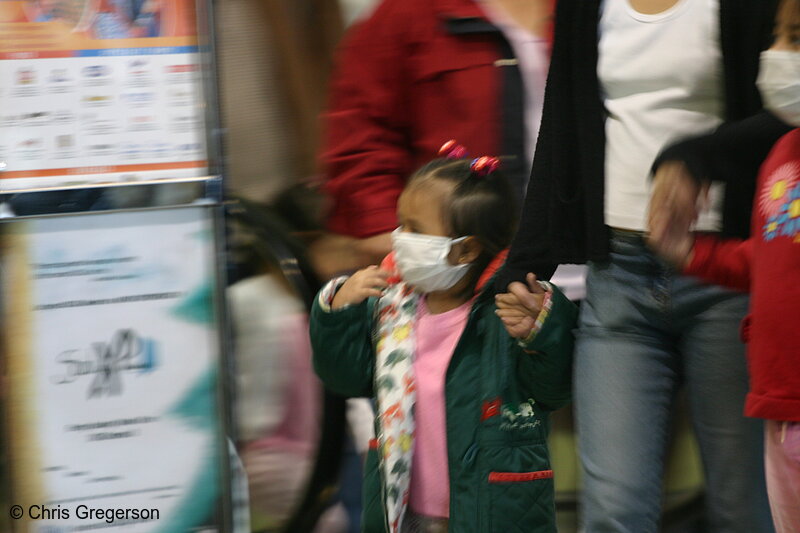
<point>106,169</point>
<point>66,46</point>
<point>37,55</point>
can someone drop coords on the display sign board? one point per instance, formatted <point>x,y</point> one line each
<point>112,373</point>
<point>99,91</point>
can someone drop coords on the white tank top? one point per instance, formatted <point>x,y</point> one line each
<point>661,81</point>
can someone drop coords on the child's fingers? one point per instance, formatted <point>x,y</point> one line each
<point>521,300</point>
<point>516,307</point>
<point>506,299</point>
<point>510,313</point>
<point>382,273</point>
<point>532,302</point>
<point>506,303</point>
<point>512,321</point>
<point>512,327</point>
<point>533,284</point>
<point>512,285</point>
<point>375,280</point>
<point>526,323</point>
<point>519,292</point>
<point>372,271</point>
<point>518,328</point>
<point>523,328</point>
<point>367,292</point>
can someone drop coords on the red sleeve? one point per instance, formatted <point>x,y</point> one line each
<point>366,158</point>
<point>551,26</point>
<point>723,262</point>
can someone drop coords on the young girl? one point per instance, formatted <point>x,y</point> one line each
<point>462,405</point>
<point>768,265</point>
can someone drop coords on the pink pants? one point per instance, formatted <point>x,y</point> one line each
<point>782,459</point>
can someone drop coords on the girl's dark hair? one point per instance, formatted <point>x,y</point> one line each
<point>480,206</point>
<point>788,21</point>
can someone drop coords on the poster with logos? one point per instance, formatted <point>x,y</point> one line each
<point>111,359</point>
<point>99,91</point>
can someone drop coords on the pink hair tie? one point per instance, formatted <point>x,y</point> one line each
<point>485,165</point>
<point>452,150</point>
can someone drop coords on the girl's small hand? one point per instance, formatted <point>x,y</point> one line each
<point>360,286</point>
<point>519,307</point>
<point>518,328</point>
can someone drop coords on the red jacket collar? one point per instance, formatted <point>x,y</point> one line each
<point>458,9</point>
<point>491,270</point>
<point>470,9</point>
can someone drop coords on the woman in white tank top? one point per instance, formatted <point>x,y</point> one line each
<point>630,82</point>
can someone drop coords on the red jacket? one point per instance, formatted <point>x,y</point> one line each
<point>413,75</point>
<point>768,265</point>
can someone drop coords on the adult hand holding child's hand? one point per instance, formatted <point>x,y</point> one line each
<point>674,207</point>
<point>519,307</point>
<point>675,249</point>
<point>360,286</point>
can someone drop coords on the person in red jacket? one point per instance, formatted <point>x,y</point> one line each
<point>416,73</point>
<point>768,266</point>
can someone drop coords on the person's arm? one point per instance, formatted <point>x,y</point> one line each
<point>544,363</point>
<point>724,262</point>
<point>715,260</point>
<point>539,320</point>
<point>366,154</point>
<point>733,152</point>
<point>342,345</point>
<point>737,148</point>
<point>732,155</point>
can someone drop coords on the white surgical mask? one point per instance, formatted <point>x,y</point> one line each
<point>779,84</point>
<point>422,260</point>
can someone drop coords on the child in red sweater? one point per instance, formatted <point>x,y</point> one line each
<point>768,266</point>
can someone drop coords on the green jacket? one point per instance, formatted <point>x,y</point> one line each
<point>497,399</point>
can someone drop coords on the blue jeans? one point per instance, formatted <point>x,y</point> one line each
<point>644,331</point>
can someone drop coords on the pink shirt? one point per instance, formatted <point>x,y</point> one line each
<point>437,336</point>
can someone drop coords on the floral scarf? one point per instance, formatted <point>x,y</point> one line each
<point>395,391</point>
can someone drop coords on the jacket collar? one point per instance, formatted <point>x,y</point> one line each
<point>490,271</point>
<point>459,9</point>
<point>463,17</point>
<point>466,17</point>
